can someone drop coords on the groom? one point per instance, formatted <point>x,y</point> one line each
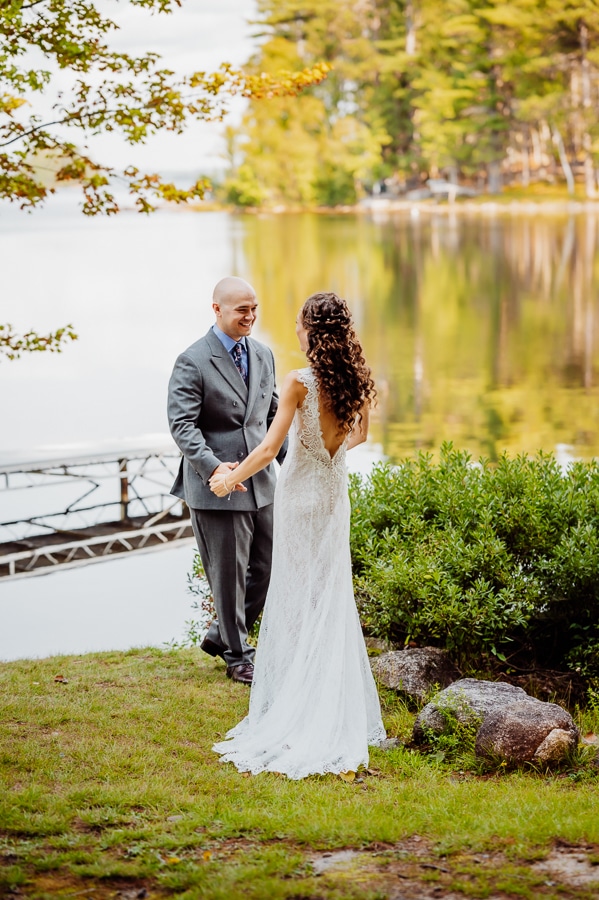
<point>221,400</point>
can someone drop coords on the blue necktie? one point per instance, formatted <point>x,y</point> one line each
<point>238,360</point>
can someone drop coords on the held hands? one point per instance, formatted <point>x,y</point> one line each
<point>222,481</point>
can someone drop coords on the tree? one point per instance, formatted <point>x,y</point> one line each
<point>564,76</point>
<point>110,92</point>
<point>321,148</point>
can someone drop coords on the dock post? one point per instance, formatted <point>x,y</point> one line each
<point>124,489</point>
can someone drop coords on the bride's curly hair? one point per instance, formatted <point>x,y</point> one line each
<point>335,354</point>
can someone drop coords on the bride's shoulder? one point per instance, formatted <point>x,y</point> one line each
<point>305,375</point>
<point>296,382</point>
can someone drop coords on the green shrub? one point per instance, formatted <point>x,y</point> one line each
<point>243,188</point>
<point>334,186</point>
<point>481,559</point>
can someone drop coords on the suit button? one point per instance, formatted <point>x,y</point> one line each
<point>260,422</point>
<point>240,456</point>
<point>263,394</point>
<point>234,402</point>
<point>244,427</point>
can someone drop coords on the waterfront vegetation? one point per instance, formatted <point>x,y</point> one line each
<point>487,561</point>
<point>486,93</point>
<point>109,787</point>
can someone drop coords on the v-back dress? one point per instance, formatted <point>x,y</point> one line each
<point>314,707</point>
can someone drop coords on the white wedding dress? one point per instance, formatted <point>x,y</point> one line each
<point>314,707</point>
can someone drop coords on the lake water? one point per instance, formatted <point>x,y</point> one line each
<point>481,330</point>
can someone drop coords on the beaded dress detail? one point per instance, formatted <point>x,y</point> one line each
<point>314,707</point>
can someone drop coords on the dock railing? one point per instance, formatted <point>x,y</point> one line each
<point>71,511</point>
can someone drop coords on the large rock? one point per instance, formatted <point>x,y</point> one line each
<point>527,731</point>
<point>415,671</point>
<point>511,726</point>
<point>467,700</point>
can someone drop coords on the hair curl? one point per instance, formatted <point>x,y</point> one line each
<point>335,354</point>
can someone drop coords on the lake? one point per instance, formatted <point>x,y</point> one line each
<point>480,329</point>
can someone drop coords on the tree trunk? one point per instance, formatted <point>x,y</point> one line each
<point>585,79</point>
<point>585,69</point>
<point>563,159</point>
<point>537,156</point>
<point>494,173</point>
<point>410,30</point>
<point>525,161</point>
<point>589,169</point>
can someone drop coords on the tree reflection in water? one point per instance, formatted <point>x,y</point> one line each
<point>479,329</point>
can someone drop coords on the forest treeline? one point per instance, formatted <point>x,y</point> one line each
<point>482,93</point>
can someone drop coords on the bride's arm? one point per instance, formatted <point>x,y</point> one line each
<point>359,432</point>
<point>292,396</point>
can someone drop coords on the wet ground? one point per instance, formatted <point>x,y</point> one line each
<point>413,869</point>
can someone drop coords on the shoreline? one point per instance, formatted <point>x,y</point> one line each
<point>415,208</point>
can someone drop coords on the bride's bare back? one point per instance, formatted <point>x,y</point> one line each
<point>332,437</point>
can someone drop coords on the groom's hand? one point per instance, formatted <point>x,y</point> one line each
<point>217,480</point>
<point>224,469</point>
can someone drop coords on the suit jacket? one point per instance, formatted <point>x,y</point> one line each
<point>215,418</point>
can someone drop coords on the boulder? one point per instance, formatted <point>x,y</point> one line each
<point>467,700</point>
<point>527,731</point>
<point>414,671</point>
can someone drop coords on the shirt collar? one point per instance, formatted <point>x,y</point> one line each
<point>228,342</point>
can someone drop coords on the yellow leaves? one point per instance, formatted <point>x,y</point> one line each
<point>8,103</point>
<point>176,860</point>
<point>351,777</point>
<point>283,83</point>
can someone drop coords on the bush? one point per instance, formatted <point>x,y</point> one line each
<point>334,186</point>
<point>243,189</point>
<point>481,559</point>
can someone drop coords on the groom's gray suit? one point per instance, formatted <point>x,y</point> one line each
<point>214,418</point>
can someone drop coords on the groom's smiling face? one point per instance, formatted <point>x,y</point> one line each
<point>236,316</point>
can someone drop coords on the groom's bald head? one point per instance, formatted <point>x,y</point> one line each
<point>230,289</point>
<point>234,304</point>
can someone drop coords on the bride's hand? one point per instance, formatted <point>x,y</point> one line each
<point>223,484</point>
<point>218,485</point>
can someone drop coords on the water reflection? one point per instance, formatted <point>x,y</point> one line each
<point>479,330</point>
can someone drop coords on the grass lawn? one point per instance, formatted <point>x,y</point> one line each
<point>110,789</point>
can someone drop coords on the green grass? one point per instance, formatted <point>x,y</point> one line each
<point>110,779</point>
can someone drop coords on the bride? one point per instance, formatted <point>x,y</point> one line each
<point>313,704</point>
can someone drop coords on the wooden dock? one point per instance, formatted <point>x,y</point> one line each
<point>74,511</point>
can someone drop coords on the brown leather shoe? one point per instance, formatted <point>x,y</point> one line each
<point>243,673</point>
<point>211,648</point>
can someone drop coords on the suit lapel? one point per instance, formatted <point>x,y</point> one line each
<point>255,372</point>
<point>225,365</point>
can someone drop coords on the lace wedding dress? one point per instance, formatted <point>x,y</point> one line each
<point>314,707</point>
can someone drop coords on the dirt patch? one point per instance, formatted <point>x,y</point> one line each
<point>59,885</point>
<point>412,869</point>
<point>575,866</point>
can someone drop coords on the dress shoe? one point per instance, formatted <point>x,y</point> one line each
<point>243,673</point>
<point>211,648</point>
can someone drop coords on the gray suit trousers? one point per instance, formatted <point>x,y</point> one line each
<point>236,552</point>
